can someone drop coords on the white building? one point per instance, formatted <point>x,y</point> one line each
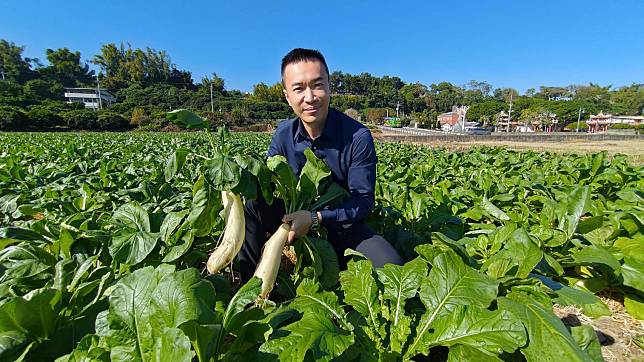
<point>90,97</point>
<point>601,122</point>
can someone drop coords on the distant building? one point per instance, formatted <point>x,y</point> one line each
<point>90,97</point>
<point>600,122</point>
<point>504,123</point>
<point>449,120</point>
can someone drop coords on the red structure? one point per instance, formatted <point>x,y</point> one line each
<point>601,122</point>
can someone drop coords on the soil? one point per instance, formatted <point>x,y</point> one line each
<point>617,333</point>
<point>634,149</point>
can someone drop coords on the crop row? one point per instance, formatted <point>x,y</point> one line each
<point>104,239</point>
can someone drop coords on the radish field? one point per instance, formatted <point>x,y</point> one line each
<point>104,240</point>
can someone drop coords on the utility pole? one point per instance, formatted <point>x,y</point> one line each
<point>2,71</point>
<point>98,88</point>
<point>463,121</point>
<point>212,105</point>
<point>510,112</point>
<point>578,119</point>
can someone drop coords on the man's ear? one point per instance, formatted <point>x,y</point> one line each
<point>286,96</point>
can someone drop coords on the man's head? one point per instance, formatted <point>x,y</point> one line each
<point>305,77</point>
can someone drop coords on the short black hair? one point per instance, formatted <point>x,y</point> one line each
<point>302,55</point>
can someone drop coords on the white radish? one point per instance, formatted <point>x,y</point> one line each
<point>269,263</point>
<point>234,232</point>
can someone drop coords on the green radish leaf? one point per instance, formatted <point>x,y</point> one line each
<point>170,223</point>
<point>180,297</point>
<point>631,247</point>
<point>450,283</point>
<point>312,173</point>
<point>18,234</point>
<point>206,204</point>
<point>462,352</point>
<point>33,315</point>
<point>633,273</point>
<point>328,260</point>
<point>497,213</point>
<point>596,255</point>
<point>401,283</point>
<point>132,247</point>
<point>175,163</point>
<point>203,338</point>
<point>586,338</point>
<point>311,297</point>
<point>315,335</point>
<point>260,171</point>
<point>544,331</point>
<point>520,254</point>
<point>222,172</point>
<point>172,345</point>
<point>88,349</point>
<point>245,295</point>
<point>588,302</point>
<point>634,305</point>
<point>361,291</point>
<point>133,216</point>
<point>187,119</point>
<point>493,332</point>
<point>577,205</point>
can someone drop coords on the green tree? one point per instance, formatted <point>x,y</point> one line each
<point>125,66</point>
<point>485,111</point>
<point>111,121</point>
<point>12,118</point>
<point>414,97</point>
<point>445,95</point>
<point>66,67</point>
<point>628,100</point>
<point>274,93</point>
<point>594,94</point>
<point>42,117</point>
<point>554,93</point>
<point>503,94</point>
<point>139,117</point>
<point>13,65</point>
<point>80,119</point>
<point>218,84</point>
<point>44,89</point>
<point>476,92</point>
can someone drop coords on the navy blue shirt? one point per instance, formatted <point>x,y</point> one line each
<point>346,146</point>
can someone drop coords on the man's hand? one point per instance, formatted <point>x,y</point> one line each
<point>300,224</point>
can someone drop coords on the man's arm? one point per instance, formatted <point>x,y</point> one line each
<point>274,149</point>
<point>361,180</point>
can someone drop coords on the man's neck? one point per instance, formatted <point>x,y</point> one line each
<point>314,131</point>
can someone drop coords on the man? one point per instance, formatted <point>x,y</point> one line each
<point>347,148</point>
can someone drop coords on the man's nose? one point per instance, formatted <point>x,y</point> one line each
<point>308,95</point>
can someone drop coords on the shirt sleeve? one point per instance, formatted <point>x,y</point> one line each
<point>362,183</point>
<point>274,148</point>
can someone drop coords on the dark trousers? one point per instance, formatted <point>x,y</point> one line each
<point>262,220</point>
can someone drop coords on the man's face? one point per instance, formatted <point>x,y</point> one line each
<point>307,91</point>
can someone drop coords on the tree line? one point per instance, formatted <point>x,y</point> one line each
<point>147,84</point>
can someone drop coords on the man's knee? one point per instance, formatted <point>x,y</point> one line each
<point>379,251</point>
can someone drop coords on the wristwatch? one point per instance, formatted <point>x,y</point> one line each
<point>315,222</point>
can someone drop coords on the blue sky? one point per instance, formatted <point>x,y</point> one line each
<point>519,44</point>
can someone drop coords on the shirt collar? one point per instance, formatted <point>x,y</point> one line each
<point>329,132</point>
